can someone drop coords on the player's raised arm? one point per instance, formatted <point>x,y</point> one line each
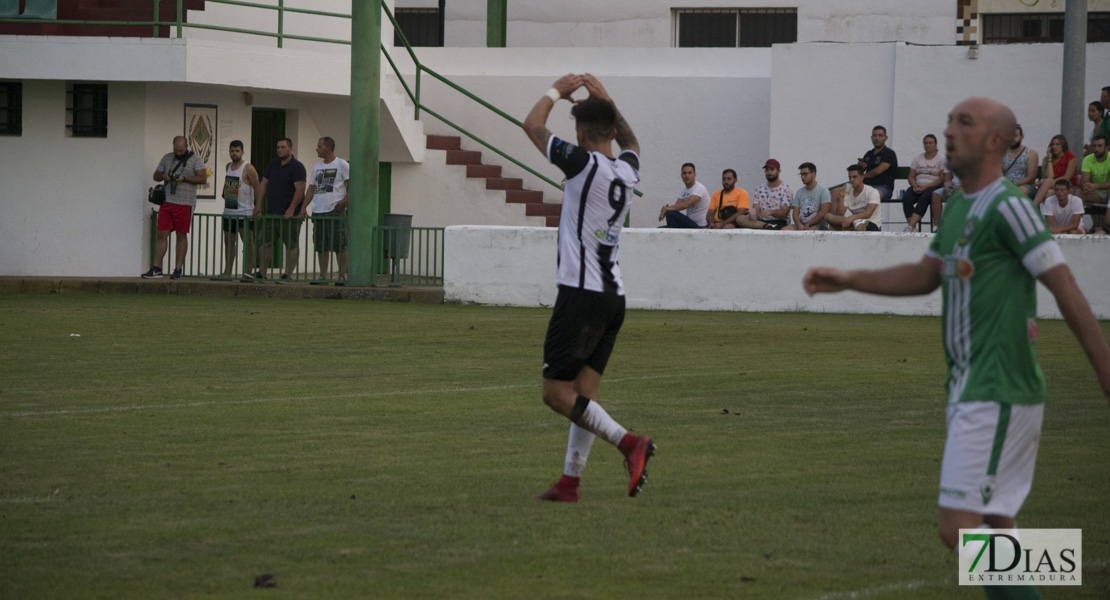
<point>909,279</point>
<point>535,124</point>
<point>626,140</point>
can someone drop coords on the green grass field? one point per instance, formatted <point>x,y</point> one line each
<point>181,446</point>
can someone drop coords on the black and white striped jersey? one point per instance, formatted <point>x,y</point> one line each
<point>596,199</point>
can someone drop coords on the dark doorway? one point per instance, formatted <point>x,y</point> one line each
<point>267,127</point>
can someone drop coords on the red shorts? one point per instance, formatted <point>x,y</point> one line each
<point>175,217</point>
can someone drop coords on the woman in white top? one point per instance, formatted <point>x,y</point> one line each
<point>926,177</point>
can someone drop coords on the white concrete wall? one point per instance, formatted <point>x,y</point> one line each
<point>682,269</point>
<point>707,106</point>
<point>74,205</point>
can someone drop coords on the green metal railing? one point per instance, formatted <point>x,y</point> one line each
<point>230,248</point>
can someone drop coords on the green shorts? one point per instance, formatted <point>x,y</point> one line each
<point>275,229</point>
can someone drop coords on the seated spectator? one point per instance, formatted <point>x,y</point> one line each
<point>1062,211</point>
<point>727,203</point>
<point>811,203</point>
<point>1095,179</point>
<point>951,185</point>
<point>694,199</point>
<point>858,207</point>
<point>1061,163</point>
<point>1015,164</point>
<point>879,164</point>
<point>926,177</point>
<point>1096,113</point>
<point>771,207</point>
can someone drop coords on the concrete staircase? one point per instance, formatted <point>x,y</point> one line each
<point>534,206</point>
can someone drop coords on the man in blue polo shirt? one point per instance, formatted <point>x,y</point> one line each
<point>282,191</point>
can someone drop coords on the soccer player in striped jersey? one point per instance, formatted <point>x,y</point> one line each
<point>589,308</point>
<point>991,249</point>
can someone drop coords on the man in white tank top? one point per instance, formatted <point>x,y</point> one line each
<point>240,188</point>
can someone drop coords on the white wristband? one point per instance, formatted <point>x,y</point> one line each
<point>554,94</point>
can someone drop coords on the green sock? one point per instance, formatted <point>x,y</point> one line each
<point>1011,592</point>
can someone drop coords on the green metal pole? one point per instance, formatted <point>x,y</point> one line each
<point>281,22</point>
<point>363,210</point>
<point>495,23</point>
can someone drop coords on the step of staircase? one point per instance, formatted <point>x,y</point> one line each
<point>512,186</point>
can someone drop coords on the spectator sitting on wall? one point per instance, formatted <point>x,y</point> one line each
<point>771,206</point>
<point>858,207</point>
<point>1061,163</point>
<point>727,203</point>
<point>694,199</point>
<point>1096,113</point>
<point>1062,211</point>
<point>1016,161</point>
<point>879,164</point>
<point>811,203</point>
<point>926,176</point>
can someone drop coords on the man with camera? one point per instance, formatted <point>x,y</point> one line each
<point>181,171</point>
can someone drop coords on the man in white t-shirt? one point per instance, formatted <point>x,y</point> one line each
<point>327,192</point>
<point>1062,211</point>
<point>240,188</point>
<point>694,199</point>
<point>857,208</point>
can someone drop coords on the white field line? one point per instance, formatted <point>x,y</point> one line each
<point>458,390</point>
<point>890,588</point>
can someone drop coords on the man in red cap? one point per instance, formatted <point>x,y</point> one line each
<point>770,202</point>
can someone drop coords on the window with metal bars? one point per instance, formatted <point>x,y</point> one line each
<point>734,27</point>
<point>87,109</point>
<point>11,108</point>
<point>420,26</point>
<point>1033,28</point>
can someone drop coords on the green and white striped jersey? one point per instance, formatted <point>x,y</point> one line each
<point>993,245</point>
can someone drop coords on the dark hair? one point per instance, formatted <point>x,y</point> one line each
<point>1063,142</point>
<point>1098,106</point>
<point>287,141</point>
<point>929,135</point>
<point>1102,136</point>
<point>878,127</point>
<point>1063,182</point>
<point>808,165</point>
<point>235,144</point>
<point>1106,89</point>
<point>856,168</point>
<point>596,118</point>
<point>1019,129</point>
<point>723,173</point>
<point>691,165</point>
<point>330,143</point>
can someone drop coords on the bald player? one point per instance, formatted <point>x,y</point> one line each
<point>991,248</point>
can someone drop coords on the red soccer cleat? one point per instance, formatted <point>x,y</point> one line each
<point>564,490</point>
<point>637,450</point>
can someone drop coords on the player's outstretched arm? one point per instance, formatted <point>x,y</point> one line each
<point>1082,322</point>
<point>909,279</point>
<point>626,140</point>
<point>535,124</point>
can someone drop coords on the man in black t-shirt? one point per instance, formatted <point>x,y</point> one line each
<point>880,167</point>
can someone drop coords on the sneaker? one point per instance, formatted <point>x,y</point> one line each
<point>176,274</point>
<point>153,273</point>
<point>285,278</point>
<point>909,229</point>
<point>318,281</point>
<point>637,450</point>
<point>258,275</point>
<point>342,282</point>
<point>564,490</point>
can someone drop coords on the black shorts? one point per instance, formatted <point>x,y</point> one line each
<point>581,333</point>
<point>232,224</point>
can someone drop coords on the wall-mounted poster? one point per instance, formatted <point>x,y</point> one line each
<point>200,132</point>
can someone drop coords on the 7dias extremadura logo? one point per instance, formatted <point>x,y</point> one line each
<point>1021,557</point>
